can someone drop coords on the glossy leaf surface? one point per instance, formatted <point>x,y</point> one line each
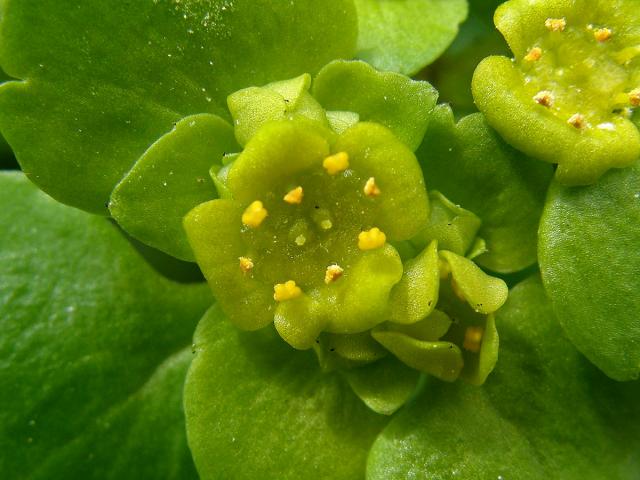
<point>94,348</point>
<point>473,167</point>
<point>395,101</point>
<point>545,412</point>
<point>103,81</point>
<point>405,35</point>
<point>590,261</point>
<point>170,179</point>
<point>255,405</point>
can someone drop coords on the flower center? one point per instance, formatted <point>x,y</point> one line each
<point>315,224</point>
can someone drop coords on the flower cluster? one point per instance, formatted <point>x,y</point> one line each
<point>326,230</point>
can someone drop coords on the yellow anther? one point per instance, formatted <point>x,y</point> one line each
<point>577,120</point>
<point>326,224</point>
<point>370,188</point>
<point>301,240</point>
<point>555,24</point>
<point>634,97</point>
<point>534,54</point>
<point>333,273</point>
<point>602,34</point>
<point>254,215</point>
<point>336,163</point>
<point>371,239</point>
<point>246,264</point>
<point>473,339</point>
<point>294,197</point>
<point>544,98</point>
<point>286,291</point>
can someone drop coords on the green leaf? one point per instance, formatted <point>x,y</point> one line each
<point>94,348</point>
<point>441,359</point>
<point>483,293</point>
<point>170,179</point>
<point>102,82</point>
<point>255,407</point>
<point>472,166</point>
<point>252,107</point>
<point>384,386</point>
<point>452,72</point>
<point>566,96</point>
<point>451,226</point>
<point>390,99</point>
<point>545,412</point>
<point>406,35</point>
<point>416,294</point>
<point>590,261</point>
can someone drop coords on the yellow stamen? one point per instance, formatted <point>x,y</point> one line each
<point>286,291</point>
<point>602,34</point>
<point>371,239</point>
<point>333,273</point>
<point>336,163</point>
<point>473,339</point>
<point>555,24</point>
<point>634,97</point>
<point>544,98</point>
<point>246,264</point>
<point>534,54</point>
<point>577,120</point>
<point>294,197</point>
<point>301,240</point>
<point>254,215</point>
<point>371,189</point>
<point>326,224</point>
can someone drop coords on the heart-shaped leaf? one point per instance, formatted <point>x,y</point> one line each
<point>103,81</point>
<point>590,261</point>
<point>94,348</point>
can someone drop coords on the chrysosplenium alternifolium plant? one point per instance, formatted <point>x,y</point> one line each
<point>567,95</point>
<point>357,237</point>
<point>324,227</point>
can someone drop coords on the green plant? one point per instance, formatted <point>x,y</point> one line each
<point>371,257</point>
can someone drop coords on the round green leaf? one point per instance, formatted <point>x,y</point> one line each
<point>170,179</point>
<point>103,81</point>
<point>472,166</point>
<point>544,412</point>
<point>406,35</point>
<point>590,261</point>
<point>256,408</point>
<point>94,348</point>
<point>390,99</point>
